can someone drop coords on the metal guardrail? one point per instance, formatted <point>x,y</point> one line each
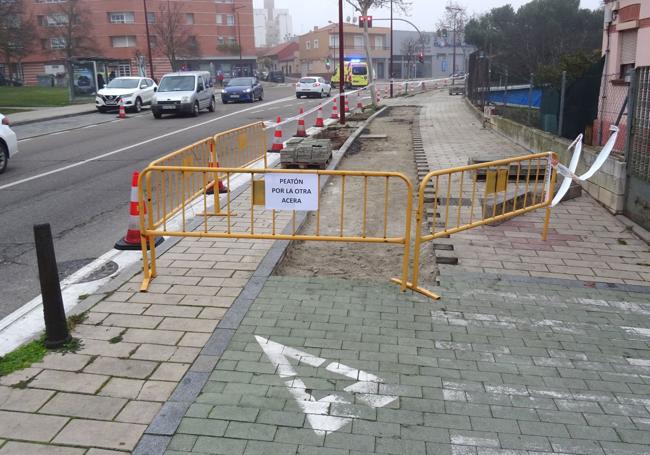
<point>497,190</point>
<point>241,147</point>
<point>334,222</point>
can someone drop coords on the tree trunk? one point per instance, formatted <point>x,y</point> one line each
<point>371,76</point>
<point>70,72</point>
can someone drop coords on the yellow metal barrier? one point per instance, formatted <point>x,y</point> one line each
<point>503,189</point>
<point>200,153</point>
<point>164,192</point>
<point>242,146</point>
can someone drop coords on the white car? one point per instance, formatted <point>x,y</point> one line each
<point>8,143</point>
<point>313,86</point>
<point>134,92</point>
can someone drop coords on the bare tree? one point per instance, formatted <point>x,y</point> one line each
<point>453,25</point>
<point>409,48</point>
<point>362,7</point>
<point>17,33</point>
<point>173,35</point>
<point>69,28</point>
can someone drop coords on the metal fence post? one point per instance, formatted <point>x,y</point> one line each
<point>631,106</point>
<point>505,91</point>
<point>530,97</point>
<point>560,123</point>
<point>56,325</point>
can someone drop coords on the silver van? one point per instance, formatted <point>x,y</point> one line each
<point>185,92</point>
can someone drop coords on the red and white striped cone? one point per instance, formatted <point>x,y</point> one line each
<point>335,112</point>
<point>378,96</point>
<point>359,102</point>
<point>347,106</point>
<point>222,188</point>
<point>301,132</point>
<point>132,239</point>
<point>319,118</point>
<point>277,137</point>
<point>386,93</point>
<point>122,110</point>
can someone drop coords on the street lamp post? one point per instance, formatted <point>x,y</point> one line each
<point>341,64</point>
<point>236,9</point>
<point>455,11</point>
<point>390,70</point>
<point>146,26</point>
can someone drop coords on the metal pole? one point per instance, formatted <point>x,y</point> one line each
<point>560,123</point>
<point>341,65</point>
<point>239,39</point>
<point>56,325</point>
<point>505,92</point>
<point>146,26</point>
<point>390,71</point>
<point>530,97</point>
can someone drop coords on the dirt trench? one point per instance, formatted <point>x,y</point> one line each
<point>361,260</point>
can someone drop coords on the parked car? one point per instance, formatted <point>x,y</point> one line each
<point>134,92</point>
<point>313,86</point>
<point>242,89</point>
<point>8,143</point>
<point>276,76</point>
<point>186,92</point>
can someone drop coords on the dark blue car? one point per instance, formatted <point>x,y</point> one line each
<point>242,89</point>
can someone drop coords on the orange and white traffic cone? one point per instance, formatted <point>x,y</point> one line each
<point>277,137</point>
<point>378,96</point>
<point>347,106</point>
<point>222,188</point>
<point>319,118</point>
<point>132,239</point>
<point>359,101</point>
<point>335,112</point>
<point>122,110</point>
<point>301,132</point>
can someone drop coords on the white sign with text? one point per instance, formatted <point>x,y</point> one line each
<point>291,191</point>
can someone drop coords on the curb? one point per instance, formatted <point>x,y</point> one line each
<point>158,434</point>
<point>54,117</point>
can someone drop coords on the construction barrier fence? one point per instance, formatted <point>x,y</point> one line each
<point>253,220</point>
<point>466,197</point>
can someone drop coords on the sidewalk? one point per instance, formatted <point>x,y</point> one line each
<point>39,114</point>
<point>220,357</point>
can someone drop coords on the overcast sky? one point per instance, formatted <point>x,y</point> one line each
<point>424,13</point>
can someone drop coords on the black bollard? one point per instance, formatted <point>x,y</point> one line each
<point>56,325</point>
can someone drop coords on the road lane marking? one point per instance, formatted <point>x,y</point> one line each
<point>129,147</point>
<point>369,390</point>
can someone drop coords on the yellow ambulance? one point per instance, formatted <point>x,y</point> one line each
<point>356,74</point>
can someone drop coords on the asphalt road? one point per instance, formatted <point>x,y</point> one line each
<point>56,178</point>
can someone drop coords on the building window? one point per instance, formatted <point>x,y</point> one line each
<point>316,44</point>
<point>151,18</point>
<point>230,19</point>
<point>308,44</point>
<point>223,1</point>
<point>124,70</point>
<point>123,41</point>
<point>232,40</point>
<point>379,42</point>
<point>334,40</point>
<point>220,41</point>
<point>219,19</point>
<point>189,18</point>
<point>57,43</point>
<point>121,17</point>
<point>358,41</point>
<point>443,66</point>
<point>53,20</point>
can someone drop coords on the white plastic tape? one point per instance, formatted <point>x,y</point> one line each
<point>568,172</point>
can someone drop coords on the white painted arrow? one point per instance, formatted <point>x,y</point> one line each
<point>366,389</point>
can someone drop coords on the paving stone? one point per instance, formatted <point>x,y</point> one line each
<point>69,382</point>
<point>24,400</point>
<point>155,352</point>
<point>217,445</point>
<point>205,427</point>
<point>93,433</point>
<point>106,348</point>
<point>122,388</point>
<point>24,448</point>
<point>188,325</point>
<point>19,376</point>
<point>256,431</point>
<point>94,332</point>
<point>138,412</point>
<point>194,339</point>
<point>63,361</point>
<point>168,337</point>
<point>30,427</point>
<point>156,390</point>
<point>136,369</point>
<point>170,371</point>
<point>85,406</point>
<point>123,320</point>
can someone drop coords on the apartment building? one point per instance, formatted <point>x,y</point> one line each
<point>221,30</point>
<point>319,48</point>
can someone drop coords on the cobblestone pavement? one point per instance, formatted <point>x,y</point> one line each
<point>325,366</point>
<point>585,241</point>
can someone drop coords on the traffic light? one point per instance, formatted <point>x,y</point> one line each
<point>363,20</point>
<point>421,57</point>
